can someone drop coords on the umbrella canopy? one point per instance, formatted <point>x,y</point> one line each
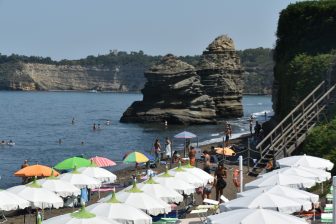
<point>80,180</point>
<point>120,212</point>
<point>101,174</point>
<point>10,201</point>
<point>201,174</point>
<point>61,188</point>
<point>251,216</point>
<point>268,201</point>
<point>282,190</point>
<point>281,179</point>
<point>71,163</point>
<point>169,181</point>
<point>37,196</point>
<point>135,157</point>
<point>157,190</point>
<point>225,151</point>
<point>36,171</point>
<point>308,161</point>
<point>182,174</point>
<point>79,217</point>
<point>102,161</point>
<point>316,174</point>
<point>185,135</point>
<point>141,200</point>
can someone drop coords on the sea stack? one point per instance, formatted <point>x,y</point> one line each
<point>222,77</point>
<point>173,93</point>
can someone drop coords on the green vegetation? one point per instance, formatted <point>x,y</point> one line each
<point>304,28</point>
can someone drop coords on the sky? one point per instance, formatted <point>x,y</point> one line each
<point>73,29</point>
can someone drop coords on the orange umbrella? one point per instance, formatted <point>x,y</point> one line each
<point>36,171</point>
<point>225,151</point>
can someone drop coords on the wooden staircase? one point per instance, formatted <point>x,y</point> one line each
<point>293,129</point>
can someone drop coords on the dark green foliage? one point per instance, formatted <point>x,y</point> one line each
<point>304,28</point>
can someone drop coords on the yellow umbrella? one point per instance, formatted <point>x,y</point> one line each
<point>225,151</point>
<point>135,157</point>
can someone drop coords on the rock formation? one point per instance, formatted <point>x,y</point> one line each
<point>222,77</point>
<point>177,92</point>
<point>173,92</point>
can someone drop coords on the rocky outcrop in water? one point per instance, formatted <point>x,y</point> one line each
<point>180,93</point>
<point>173,92</point>
<point>222,77</point>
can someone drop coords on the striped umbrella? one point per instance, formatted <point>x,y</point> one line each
<point>102,161</point>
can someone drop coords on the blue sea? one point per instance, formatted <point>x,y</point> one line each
<point>36,121</point>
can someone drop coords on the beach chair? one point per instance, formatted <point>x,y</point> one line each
<point>224,199</point>
<point>328,208</point>
<point>202,214</point>
<point>329,197</point>
<point>326,217</point>
<point>211,202</point>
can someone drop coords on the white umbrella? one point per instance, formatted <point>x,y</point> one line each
<point>157,190</point>
<point>120,212</point>
<point>282,190</point>
<point>173,183</point>
<point>308,161</point>
<point>317,174</point>
<point>252,216</point>
<point>37,196</point>
<point>182,174</point>
<point>268,201</point>
<point>101,174</point>
<point>60,187</point>
<point>80,180</point>
<point>201,174</point>
<point>141,200</point>
<point>281,179</point>
<point>9,201</point>
<point>79,217</point>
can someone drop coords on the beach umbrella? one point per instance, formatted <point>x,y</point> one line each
<point>71,163</point>
<point>60,187</point>
<point>185,135</point>
<point>281,179</point>
<point>120,212</point>
<point>35,171</point>
<point>10,201</point>
<point>157,190</point>
<point>37,196</point>
<point>101,174</point>
<point>139,199</point>
<point>79,217</point>
<point>169,181</point>
<point>102,161</point>
<point>268,201</point>
<point>281,190</point>
<point>201,174</point>
<point>135,157</point>
<point>252,216</point>
<point>80,180</point>
<point>226,151</point>
<point>182,174</point>
<point>305,160</point>
<point>316,174</point>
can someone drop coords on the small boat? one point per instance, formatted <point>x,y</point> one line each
<point>11,143</point>
<point>93,91</point>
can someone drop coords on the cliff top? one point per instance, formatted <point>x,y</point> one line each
<point>170,64</point>
<point>221,44</point>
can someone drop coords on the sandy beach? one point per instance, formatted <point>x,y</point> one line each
<point>124,179</point>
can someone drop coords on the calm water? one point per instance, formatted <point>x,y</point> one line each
<point>35,121</point>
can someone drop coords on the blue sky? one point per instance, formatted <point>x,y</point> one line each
<point>74,29</point>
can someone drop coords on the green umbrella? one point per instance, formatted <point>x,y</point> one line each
<point>135,157</point>
<point>73,162</point>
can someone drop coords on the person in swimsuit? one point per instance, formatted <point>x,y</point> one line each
<point>206,167</point>
<point>220,174</point>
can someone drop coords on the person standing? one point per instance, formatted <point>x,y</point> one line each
<point>206,167</point>
<point>227,135</point>
<point>24,165</point>
<point>192,156</point>
<point>168,148</point>
<point>220,175</point>
<point>157,150</point>
<point>251,126</point>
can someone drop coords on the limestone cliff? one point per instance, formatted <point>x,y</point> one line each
<point>180,93</point>
<point>36,76</point>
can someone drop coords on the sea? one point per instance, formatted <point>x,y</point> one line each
<point>40,125</point>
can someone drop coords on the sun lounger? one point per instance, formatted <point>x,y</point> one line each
<point>202,214</point>
<point>224,199</point>
<point>329,197</point>
<point>328,208</point>
<point>210,201</point>
<point>205,207</point>
<point>327,217</point>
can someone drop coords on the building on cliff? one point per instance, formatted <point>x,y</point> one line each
<point>182,94</point>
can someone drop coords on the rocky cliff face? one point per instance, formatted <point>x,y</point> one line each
<point>179,93</point>
<point>222,76</point>
<point>34,76</point>
<point>173,92</point>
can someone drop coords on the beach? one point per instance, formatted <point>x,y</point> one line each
<point>124,179</point>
